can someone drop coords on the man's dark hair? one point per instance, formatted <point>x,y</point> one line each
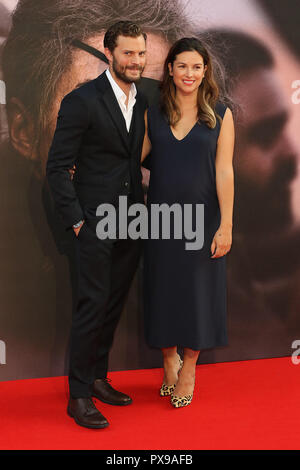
<point>121,28</point>
<point>39,48</point>
<point>285,16</point>
<point>238,53</point>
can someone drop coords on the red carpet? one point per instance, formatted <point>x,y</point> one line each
<point>237,405</point>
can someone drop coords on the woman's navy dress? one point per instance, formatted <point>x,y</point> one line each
<point>184,290</point>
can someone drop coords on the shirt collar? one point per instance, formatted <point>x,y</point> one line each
<point>120,95</point>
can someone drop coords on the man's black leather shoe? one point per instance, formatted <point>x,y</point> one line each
<point>106,393</point>
<point>86,414</point>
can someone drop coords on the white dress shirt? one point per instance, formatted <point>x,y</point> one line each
<point>121,98</point>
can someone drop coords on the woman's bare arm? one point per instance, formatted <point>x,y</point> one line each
<point>225,186</point>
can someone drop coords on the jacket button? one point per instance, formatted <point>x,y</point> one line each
<point>126,184</point>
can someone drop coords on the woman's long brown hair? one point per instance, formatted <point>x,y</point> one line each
<point>208,92</point>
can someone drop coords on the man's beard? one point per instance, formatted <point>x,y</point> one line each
<point>267,209</point>
<point>120,72</point>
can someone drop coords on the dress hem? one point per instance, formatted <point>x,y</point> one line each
<point>190,347</point>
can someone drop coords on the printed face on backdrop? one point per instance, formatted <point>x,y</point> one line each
<point>187,71</point>
<point>86,67</point>
<point>128,59</point>
<point>267,161</point>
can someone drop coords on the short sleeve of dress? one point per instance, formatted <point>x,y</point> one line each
<point>220,109</point>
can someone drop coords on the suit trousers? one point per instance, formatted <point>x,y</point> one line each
<point>105,271</point>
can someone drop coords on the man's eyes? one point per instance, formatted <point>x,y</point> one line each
<point>265,135</point>
<point>262,137</point>
<point>130,53</point>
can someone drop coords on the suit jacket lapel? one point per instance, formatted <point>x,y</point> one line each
<point>115,112</point>
<point>137,121</point>
<point>113,108</point>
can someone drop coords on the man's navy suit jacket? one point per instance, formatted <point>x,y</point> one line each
<point>91,133</point>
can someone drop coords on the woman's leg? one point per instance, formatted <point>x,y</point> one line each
<point>171,365</point>
<point>186,380</point>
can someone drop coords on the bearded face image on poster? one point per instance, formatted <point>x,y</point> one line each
<point>264,265</point>
<point>259,60</point>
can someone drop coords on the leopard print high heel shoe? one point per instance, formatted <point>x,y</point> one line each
<point>167,390</point>
<point>179,402</point>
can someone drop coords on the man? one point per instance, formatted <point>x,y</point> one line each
<point>264,263</point>
<point>100,128</point>
<point>52,48</point>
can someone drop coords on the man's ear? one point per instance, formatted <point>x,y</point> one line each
<point>21,128</point>
<point>108,54</point>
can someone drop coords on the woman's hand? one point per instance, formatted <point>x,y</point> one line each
<point>222,241</point>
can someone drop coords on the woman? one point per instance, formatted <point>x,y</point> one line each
<point>191,139</point>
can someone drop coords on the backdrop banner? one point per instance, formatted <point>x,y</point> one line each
<point>256,44</point>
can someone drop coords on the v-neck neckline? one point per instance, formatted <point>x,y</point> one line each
<point>180,140</point>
